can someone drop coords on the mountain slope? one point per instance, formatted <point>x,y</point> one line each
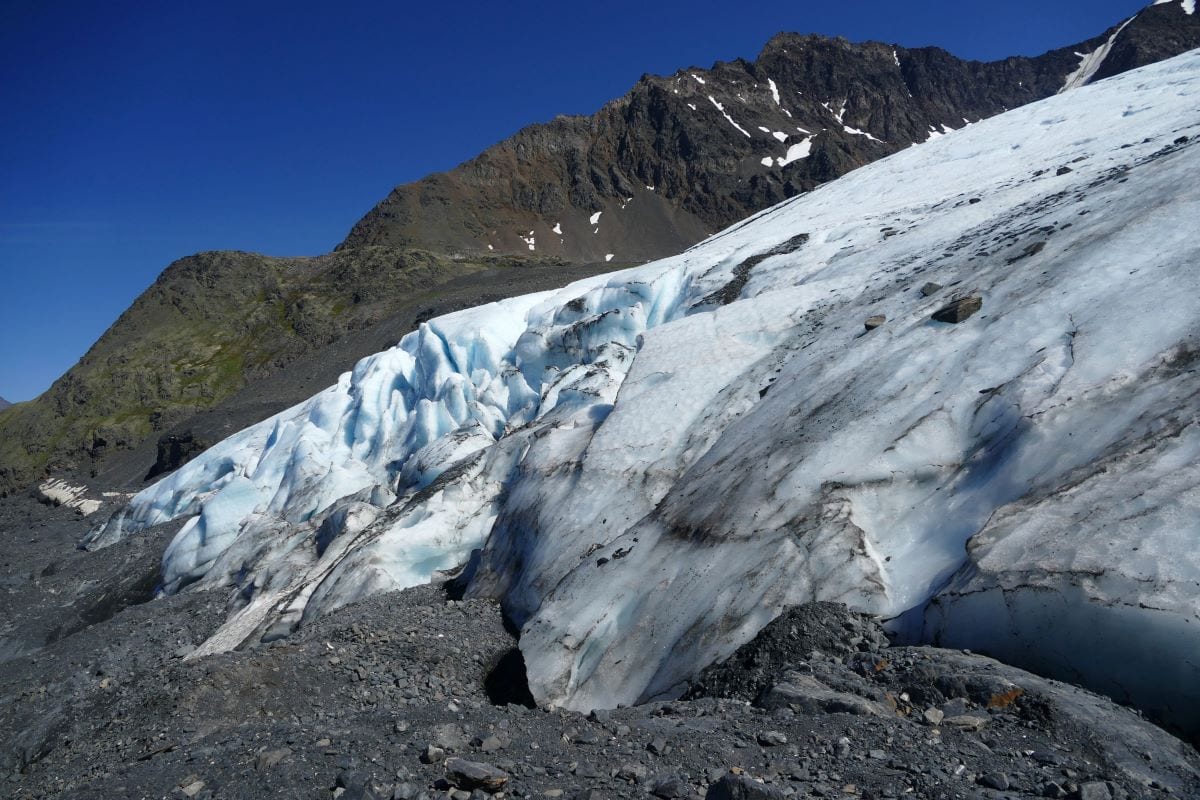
<point>682,156</point>
<point>650,174</point>
<point>213,324</point>
<point>653,463</point>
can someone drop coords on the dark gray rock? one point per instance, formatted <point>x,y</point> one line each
<point>807,695</point>
<point>967,722</point>
<point>404,791</point>
<point>959,310</point>
<point>670,787</point>
<point>772,738</point>
<point>633,773</point>
<point>1094,790</point>
<point>432,754</point>
<point>874,322</point>
<point>475,775</point>
<point>176,449</point>
<point>994,780</point>
<point>658,746</point>
<point>269,758</point>
<point>741,787</point>
<point>791,637</point>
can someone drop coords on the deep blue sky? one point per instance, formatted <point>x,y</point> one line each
<point>132,134</point>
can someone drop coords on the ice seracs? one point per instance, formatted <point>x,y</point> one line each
<point>647,466</point>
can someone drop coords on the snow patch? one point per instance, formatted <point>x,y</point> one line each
<point>61,493</point>
<point>857,132</point>
<point>802,149</point>
<point>1189,6</point>
<point>775,90</point>
<point>1090,63</point>
<point>839,114</point>
<point>725,114</point>
<point>594,219</point>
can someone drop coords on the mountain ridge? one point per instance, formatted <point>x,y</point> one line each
<point>695,172</point>
<point>631,196</point>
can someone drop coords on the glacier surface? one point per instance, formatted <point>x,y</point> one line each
<point>646,467</point>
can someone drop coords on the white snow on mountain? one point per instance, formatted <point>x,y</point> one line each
<point>1090,63</point>
<point>795,152</point>
<point>1189,6</point>
<point>725,114</point>
<point>650,465</point>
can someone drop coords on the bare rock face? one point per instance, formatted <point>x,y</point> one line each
<point>175,450</point>
<point>684,155</point>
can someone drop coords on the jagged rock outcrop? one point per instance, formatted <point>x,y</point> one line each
<point>682,156</point>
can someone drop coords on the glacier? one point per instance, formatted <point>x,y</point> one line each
<point>646,467</point>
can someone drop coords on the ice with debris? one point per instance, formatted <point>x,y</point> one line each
<point>649,465</point>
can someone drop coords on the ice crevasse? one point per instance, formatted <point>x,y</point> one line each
<point>649,465</point>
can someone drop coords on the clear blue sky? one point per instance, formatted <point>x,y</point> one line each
<point>134,133</point>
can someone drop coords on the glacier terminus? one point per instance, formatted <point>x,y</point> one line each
<point>648,466</point>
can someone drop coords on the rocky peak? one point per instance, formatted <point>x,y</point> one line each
<point>681,156</point>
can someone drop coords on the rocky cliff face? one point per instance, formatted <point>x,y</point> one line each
<point>683,156</point>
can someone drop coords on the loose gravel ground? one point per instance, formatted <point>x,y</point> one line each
<point>418,695</point>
